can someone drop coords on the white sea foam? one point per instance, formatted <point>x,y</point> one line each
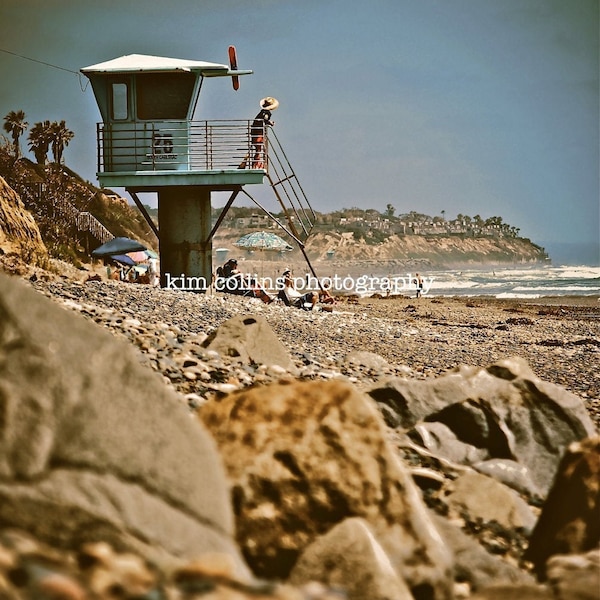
<point>510,295</point>
<point>575,289</point>
<point>521,281</point>
<point>518,282</point>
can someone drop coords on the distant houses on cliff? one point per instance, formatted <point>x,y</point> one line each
<point>373,222</point>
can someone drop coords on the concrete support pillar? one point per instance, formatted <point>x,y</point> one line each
<point>184,214</point>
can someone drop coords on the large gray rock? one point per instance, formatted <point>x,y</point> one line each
<point>509,473</point>
<point>302,458</point>
<point>473,564</point>
<point>442,441</point>
<point>249,339</point>
<point>485,499</point>
<point>504,409</point>
<point>93,446</point>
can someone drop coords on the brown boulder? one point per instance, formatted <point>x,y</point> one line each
<point>575,576</point>
<point>520,592</point>
<point>304,457</point>
<point>570,518</point>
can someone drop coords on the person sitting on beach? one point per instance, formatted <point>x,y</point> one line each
<point>325,296</point>
<point>292,297</point>
<point>232,281</point>
<point>115,272</point>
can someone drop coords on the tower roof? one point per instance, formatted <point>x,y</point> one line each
<point>143,63</point>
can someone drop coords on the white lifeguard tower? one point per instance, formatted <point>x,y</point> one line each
<point>149,142</point>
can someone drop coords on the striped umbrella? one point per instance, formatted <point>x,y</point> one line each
<point>263,241</point>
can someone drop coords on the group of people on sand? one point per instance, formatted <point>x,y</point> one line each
<point>230,279</point>
<point>118,272</point>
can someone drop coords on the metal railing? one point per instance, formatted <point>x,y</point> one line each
<point>299,213</point>
<point>179,145</point>
<point>87,222</point>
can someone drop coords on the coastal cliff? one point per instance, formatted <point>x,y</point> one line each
<point>433,250</point>
<point>18,230</point>
<point>428,250</point>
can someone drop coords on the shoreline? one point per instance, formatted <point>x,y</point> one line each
<point>512,282</point>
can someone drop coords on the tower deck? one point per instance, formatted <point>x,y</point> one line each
<point>149,155</point>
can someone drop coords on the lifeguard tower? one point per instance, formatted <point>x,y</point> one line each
<point>148,141</point>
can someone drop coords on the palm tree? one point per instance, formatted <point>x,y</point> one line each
<point>61,136</point>
<point>40,138</point>
<point>15,124</point>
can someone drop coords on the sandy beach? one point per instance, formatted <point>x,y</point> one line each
<point>559,337</point>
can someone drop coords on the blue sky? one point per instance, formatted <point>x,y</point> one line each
<point>486,107</point>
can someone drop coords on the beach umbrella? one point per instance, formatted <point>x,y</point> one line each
<point>118,246</point>
<point>139,256</point>
<point>263,241</point>
<point>124,259</point>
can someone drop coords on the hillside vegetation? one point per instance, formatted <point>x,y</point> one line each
<point>73,216</point>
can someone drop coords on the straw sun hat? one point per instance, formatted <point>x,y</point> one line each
<point>269,103</point>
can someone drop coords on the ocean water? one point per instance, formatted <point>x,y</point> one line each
<point>500,282</point>
<point>522,282</point>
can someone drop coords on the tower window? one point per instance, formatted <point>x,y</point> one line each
<point>120,104</point>
<point>164,95</point>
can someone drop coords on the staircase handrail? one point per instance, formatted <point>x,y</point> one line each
<point>285,178</point>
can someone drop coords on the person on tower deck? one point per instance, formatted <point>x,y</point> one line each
<point>257,130</point>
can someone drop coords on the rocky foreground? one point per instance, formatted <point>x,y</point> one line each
<point>390,449</point>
